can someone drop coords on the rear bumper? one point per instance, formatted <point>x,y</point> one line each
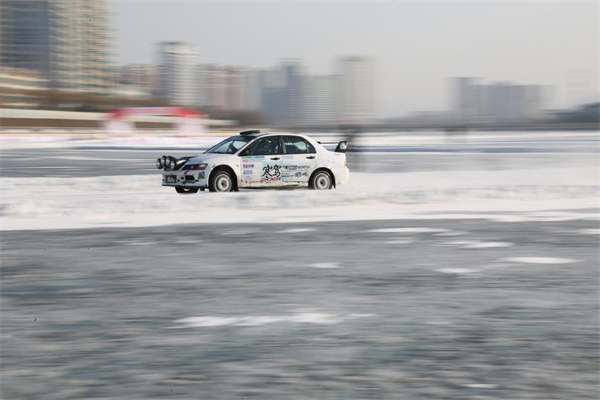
<point>342,175</point>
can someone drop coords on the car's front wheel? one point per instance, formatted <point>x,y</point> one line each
<point>221,181</point>
<point>320,181</point>
<point>181,190</point>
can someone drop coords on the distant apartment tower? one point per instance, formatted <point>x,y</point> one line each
<point>5,28</point>
<point>509,102</point>
<point>498,102</point>
<point>69,41</point>
<point>251,90</point>
<point>140,78</point>
<point>273,90</point>
<point>25,35</point>
<point>234,88</point>
<point>295,93</point>
<point>203,82</point>
<point>178,73</point>
<point>82,56</point>
<point>468,97</point>
<point>356,89</point>
<point>322,99</point>
<point>283,99</point>
<point>16,86</point>
<point>139,75</point>
<point>221,87</point>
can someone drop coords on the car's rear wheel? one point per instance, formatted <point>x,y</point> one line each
<point>320,181</point>
<point>182,190</point>
<point>221,182</point>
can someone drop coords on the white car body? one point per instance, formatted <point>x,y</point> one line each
<point>261,171</point>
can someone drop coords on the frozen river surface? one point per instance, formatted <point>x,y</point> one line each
<point>461,267</point>
<point>419,309</point>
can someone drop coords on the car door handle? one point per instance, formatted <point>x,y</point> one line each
<point>311,157</point>
<point>275,158</point>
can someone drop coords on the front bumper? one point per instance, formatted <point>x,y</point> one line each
<point>197,179</point>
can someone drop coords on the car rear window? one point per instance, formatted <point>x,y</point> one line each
<point>297,145</point>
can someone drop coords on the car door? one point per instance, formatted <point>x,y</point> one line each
<point>261,163</point>
<point>299,160</point>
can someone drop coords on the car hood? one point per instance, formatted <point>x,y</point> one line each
<point>207,158</point>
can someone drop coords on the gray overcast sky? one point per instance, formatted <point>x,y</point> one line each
<point>416,45</point>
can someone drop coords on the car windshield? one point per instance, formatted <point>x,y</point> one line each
<point>230,145</point>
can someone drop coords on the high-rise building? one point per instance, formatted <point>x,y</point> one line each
<point>226,88</point>
<point>234,88</point>
<point>17,85</point>
<point>497,102</point>
<point>284,93</point>
<point>357,89</point>
<point>203,81</point>
<point>535,96</point>
<point>69,41</point>
<point>221,87</point>
<point>140,78</point>
<point>140,75</point>
<point>82,56</point>
<point>322,99</point>
<point>467,96</point>
<point>508,102</point>
<point>295,93</point>
<point>217,88</point>
<point>5,28</point>
<point>25,35</point>
<point>273,89</point>
<point>251,88</point>
<point>179,73</point>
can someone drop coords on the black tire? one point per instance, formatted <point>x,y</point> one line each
<point>182,190</point>
<point>221,181</point>
<point>321,180</point>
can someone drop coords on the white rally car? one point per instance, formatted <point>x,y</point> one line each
<point>258,160</point>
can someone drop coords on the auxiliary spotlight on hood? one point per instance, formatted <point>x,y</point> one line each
<point>170,163</point>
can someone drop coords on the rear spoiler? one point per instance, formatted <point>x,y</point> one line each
<point>341,146</point>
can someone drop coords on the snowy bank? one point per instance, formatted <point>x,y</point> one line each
<point>508,195</point>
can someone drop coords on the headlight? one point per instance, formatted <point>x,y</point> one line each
<point>195,167</point>
<point>165,161</point>
<point>171,163</point>
<point>159,163</point>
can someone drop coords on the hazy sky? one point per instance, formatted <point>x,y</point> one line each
<point>416,45</point>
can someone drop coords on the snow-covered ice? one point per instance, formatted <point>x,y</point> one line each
<point>475,244</point>
<point>141,201</point>
<point>408,230</point>
<point>533,192</point>
<point>296,230</point>
<point>326,265</point>
<point>540,260</point>
<point>318,318</point>
<point>457,271</point>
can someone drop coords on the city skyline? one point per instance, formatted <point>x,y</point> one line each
<point>72,46</point>
<point>416,46</point>
<point>286,94</point>
<point>283,93</point>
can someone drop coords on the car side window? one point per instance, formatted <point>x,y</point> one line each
<point>263,147</point>
<point>297,145</point>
